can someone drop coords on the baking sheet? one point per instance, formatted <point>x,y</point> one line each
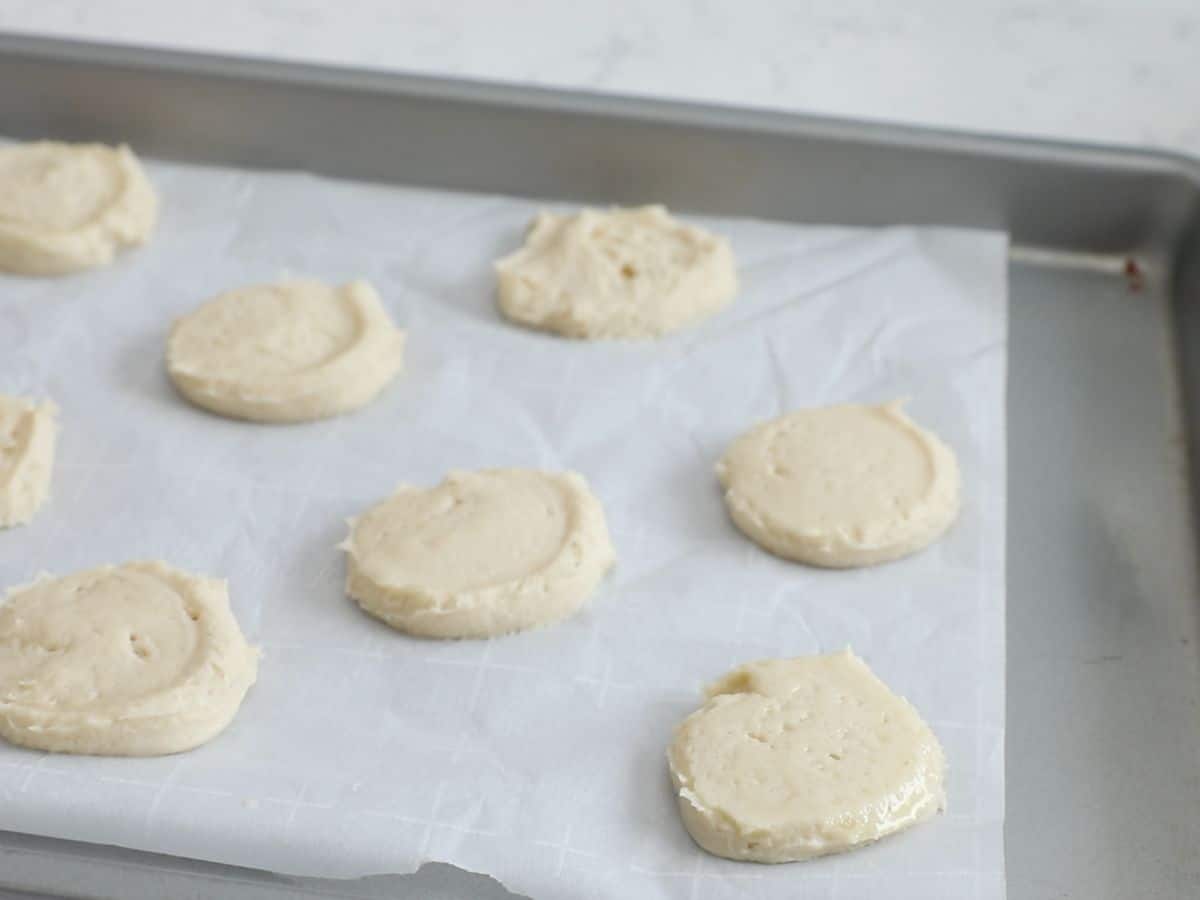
<point>538,758</point>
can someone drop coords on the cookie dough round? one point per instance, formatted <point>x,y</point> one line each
<point>133,660</point>
<point>289,352</point>
<point>624,273</point>
<point>66,207</point>
<point>27,435</point>
<point>481,554</point>
<point>841,486</point>
<point>795,758</point>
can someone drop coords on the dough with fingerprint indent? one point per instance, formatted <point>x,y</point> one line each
<point>139,659</point>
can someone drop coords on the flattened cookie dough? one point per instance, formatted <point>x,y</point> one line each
<point>795,758</point>
<point>289,352</point>
<point>621,273</point>
<point>481,554</point>
<point>66,207</point>
<point>133,660</point>
<point>28,432</point>
<point>841,486</point>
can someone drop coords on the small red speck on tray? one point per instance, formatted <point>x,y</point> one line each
<point>1133,275</point>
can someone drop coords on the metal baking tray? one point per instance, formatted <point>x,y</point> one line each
<point>1103,749</point>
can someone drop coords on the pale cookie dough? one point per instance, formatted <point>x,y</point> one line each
<point>841,486</point>
<point>795,758</point>
<point>289,352</point>
<point>132,660</point>
<point>482,554</point>
<point>66,207</point>
<point>624,273</point>
<point>27,436</point>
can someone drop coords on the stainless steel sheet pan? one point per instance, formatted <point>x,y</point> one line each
<point>1103,747</point>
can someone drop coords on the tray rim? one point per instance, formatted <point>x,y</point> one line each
<point>601,104</point>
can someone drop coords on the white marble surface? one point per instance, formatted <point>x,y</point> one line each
<point>1124,71</point>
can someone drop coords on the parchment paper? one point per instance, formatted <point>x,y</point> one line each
<point>537,758</point>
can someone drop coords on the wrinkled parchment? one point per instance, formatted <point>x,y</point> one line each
<point>538,758</point>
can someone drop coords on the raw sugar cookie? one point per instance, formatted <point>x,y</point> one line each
<point>481,554</point>
<point>133,660</point>
<point>795,758</point>
<point>66,207</point>
<point>620,273</point>
<point>28,432</point>
<point>841,486</point>
<point>288,352</point>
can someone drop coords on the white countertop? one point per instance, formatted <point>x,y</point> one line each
<point>1122,71</point>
